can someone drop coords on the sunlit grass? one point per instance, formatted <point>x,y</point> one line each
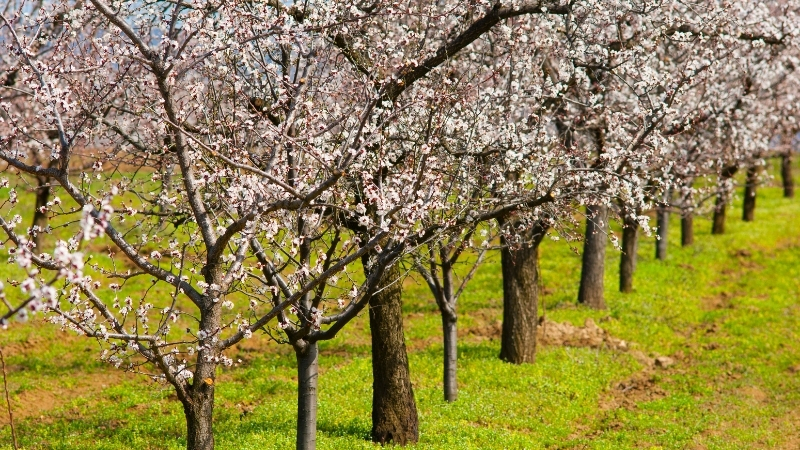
<point>726,309</point>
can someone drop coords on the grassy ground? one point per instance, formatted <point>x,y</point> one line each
<point>726,310</point>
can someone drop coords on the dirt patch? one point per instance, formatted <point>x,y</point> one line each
<point>53,393</point>
<point>753,393</point>
<point>551,333</point>
<point>742,253</point>
<point>641,387</point>
<point>566,334</point>
<point>486,326</point>
<point>723,300</point>
<point>790,425</point>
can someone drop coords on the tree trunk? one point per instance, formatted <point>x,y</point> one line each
<point>39,217</point>
<point>198,413</point>
<point>662,224</point>
<point>394,410</point>
<point>687,229</point>
<point>307,376</point>
<point>786,175</point>
<point>718,226</point>
<point>520,297</point>
<point>198,406</point>
<point>720,204</point>
<point>449,326</point>
<point>627,261</point>
<point>749,204</point>
<point>591,290</point>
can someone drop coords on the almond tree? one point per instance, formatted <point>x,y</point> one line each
<point>275,140</point>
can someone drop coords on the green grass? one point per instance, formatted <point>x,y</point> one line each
<point>726,309</point>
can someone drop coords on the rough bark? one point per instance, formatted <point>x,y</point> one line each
<point>198,405</point>
<point>198,413</point>
<point>520,267</point>
<point>718,226</point>
<point>591,290</point>
<point>449,326</point>
<point>39,217</point>
<point>627,261</point>
<point>720,204</point>
<point>662,225</point>
<point>307,377</point>
<point>687,229</point>
<point>394,410</point>
<point>786,175</point>
<point>749,203</point>
<point>687,214</point>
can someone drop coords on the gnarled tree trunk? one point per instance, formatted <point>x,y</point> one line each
<point>198,413</point>
<point>591,290</point>
<point>307,355</point>
<point>627,261</point>
<point>394,410</point>
<point>198,402</point>
<point>749,203</point>
<point>786,175</point>
<point>520,268</point>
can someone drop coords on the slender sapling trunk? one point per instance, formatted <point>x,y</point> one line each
<point>449,326</point>
<point>662,223</point>
<point>307,354</point>
<point>627,261</point>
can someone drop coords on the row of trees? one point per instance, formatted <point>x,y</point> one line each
<point>277,167</point>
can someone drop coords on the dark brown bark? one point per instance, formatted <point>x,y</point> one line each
<point>39,217</point>
<point>786,175</point>
<point>687,214</point>
<point>394,410</point>
<point>591,290</point>
<point>687,229</point>
<point>749,203</point>
<point>662,232</point>
<point>627,261</point>
<point>720,204</point>
<point>307,376</point>
<point>718,226</point>
<point>520,267</point>
<point>198,404</point>
<point>198,413</point>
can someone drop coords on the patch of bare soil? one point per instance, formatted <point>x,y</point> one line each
<point>565,334</point>
<point>548,333</point>
<point>791,431</point>
<point>753,393</point>
<point>486,326</point>
<point>53,393</point>
<point>723,300</point>
<point>641,387</point>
